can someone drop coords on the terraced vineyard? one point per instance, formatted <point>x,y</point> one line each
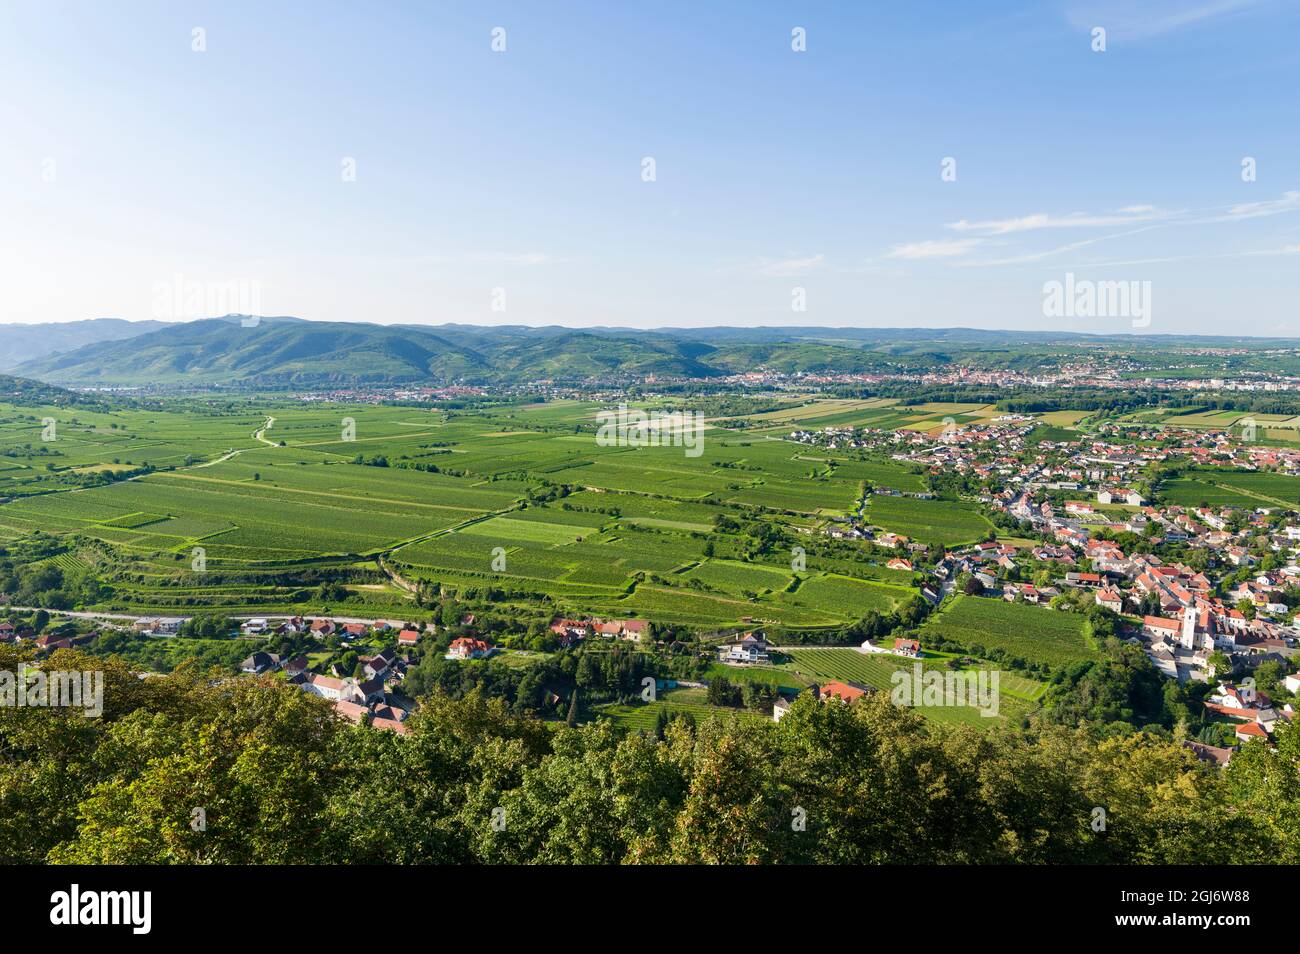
<point>1034,633</point>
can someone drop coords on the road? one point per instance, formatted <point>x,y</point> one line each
<point>265,427</point>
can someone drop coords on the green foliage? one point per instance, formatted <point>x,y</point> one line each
<point>282,780</point>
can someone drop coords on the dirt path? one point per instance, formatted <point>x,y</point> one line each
<point>265,427</point>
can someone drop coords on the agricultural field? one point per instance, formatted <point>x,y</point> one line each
<point>643,716</point>
<point>1019,695</point>
<point>246,506</point>
<point>1034,633</point>
<point>1226,488</point>
<point>928,521</point>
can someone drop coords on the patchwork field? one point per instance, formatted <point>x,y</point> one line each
<point>244,506</point>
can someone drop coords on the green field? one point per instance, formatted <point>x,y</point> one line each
<point>1034,633</point>
<point>231,507</point>
<point>1018,695</point>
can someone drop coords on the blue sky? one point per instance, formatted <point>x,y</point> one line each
<point>129,162</point>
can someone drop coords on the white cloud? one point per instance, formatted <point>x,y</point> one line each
<point>1131,20</point>
<point>1043,220</point>
<point>949,248</point>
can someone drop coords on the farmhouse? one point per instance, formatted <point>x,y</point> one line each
<point>843,691</point>
<point>907,647</point>
<point>750,648</point>
<point>408,637</point>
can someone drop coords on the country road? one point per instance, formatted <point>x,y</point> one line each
<point>265,427</point>
<point>86,614</point>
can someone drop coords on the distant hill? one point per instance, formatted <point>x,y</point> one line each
<point>273,352</point>
<point>38,394</point>
<point>292,352</point>
<point>20,343</point>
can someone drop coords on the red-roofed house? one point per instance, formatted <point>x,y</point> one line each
<point>468,648</point>
<point>907,647</point>
<point>844,691</point>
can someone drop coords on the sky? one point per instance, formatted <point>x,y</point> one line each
<point>920,164</point>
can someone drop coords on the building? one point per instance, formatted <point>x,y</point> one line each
<point>469,648</point>
<point>259,662</point>
<point>749,649</point>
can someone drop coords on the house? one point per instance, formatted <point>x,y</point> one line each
<point>898,563</point>
<point>352,711</point>
<point>780,708</point>
<point>1250,730</point>
<point>253,627</point>
<point>1121,496</point>
<point>469,648</point>
<point>7,631</point>
<point>326,686</point>
<point>635,629</point>
<point>1210,753</point>
<point>1159,628</point>
<point>355,630</point>
<point>844,691</point>
<point>322,628</point>
<point>370,691</point>
<point>378,665</point>
<point>389,725</point>
<point>297,664</point>
<point>51,641</point>
<point>907,647</point>
<point>390,712</point>
<point>259,662</point>
<point>408,637</point>
<point>749,649</point>
<point>1110,598</point>
<point>1292,682</point>
<point>1079,507</point>
<point>159,625</point>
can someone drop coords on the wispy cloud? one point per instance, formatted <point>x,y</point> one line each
<point>1145,217</point>
<point>1131,20</point>
<point>1073,220</point>
<point>940,248</point>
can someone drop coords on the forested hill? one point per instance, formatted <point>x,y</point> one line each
<point>271,352</point>
<point>283,779</point>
